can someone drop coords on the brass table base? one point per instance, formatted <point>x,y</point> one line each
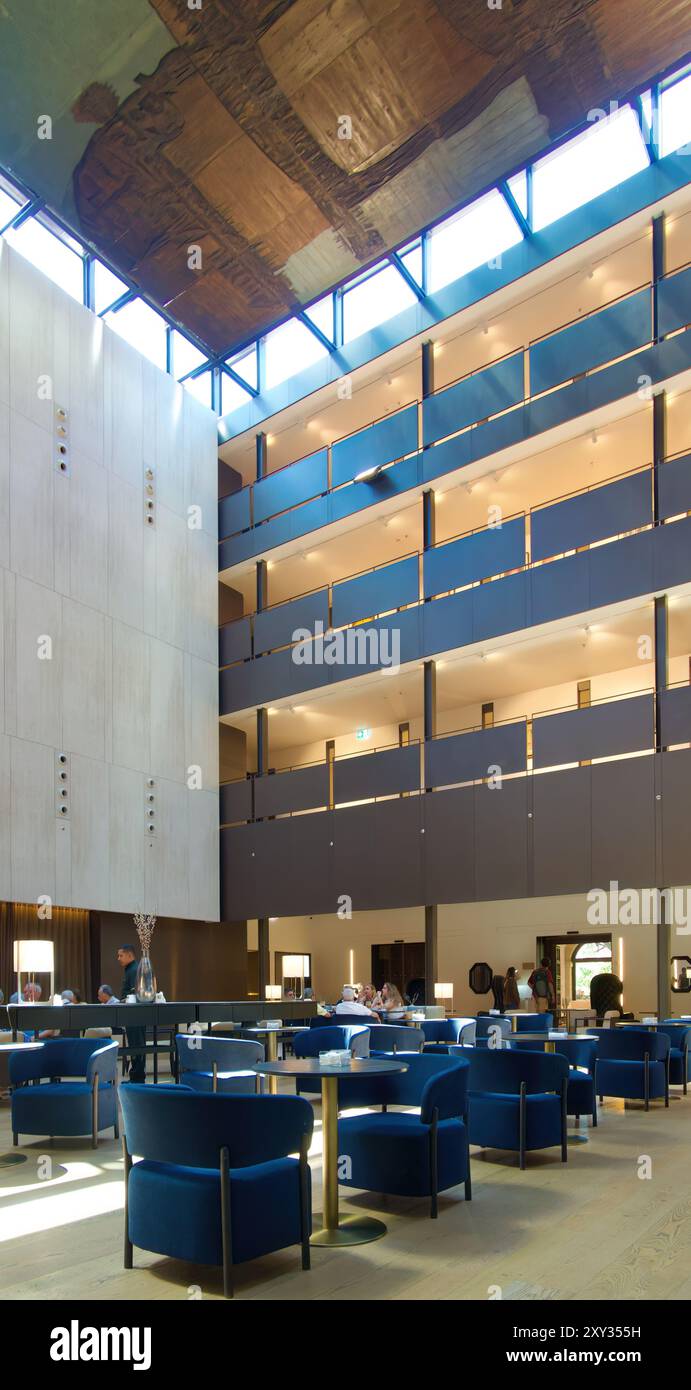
<point>351,1230</point>
<point>9,1160</point>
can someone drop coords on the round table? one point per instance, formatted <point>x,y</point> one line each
<point>272,1035</point>
<point>336,1230</point>
<point>8,1160</point>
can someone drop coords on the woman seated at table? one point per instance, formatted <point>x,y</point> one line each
<point>366,994</point>
<point>388,1000</point>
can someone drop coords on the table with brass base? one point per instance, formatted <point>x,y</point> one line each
<point>270,1037</point>
<point>9,1160</point>
<point>336,1229</point>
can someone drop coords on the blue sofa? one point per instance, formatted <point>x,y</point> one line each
<point>208,1063</point>
<point>217,1182</point>
<point>84,1102</point>
<point>517,1100</point>
<point>408,1155</point>
<point>633,1064</point>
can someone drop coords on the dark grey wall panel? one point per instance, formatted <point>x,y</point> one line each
<point>238,878</point>
<point>477,556</point>
<point>234,641</point>
<point>672,554</point>
<point>447,623</point>
<point>603,336</point>
<point>561,833</point>
<point>378,444</point>
<point>298,482</point>
<point>377,774</point>
<point>390,586</point>
<point>559,588</point>
<point>593,516</point>
<point>621,570</point>
<point>674,483</point>
<point>299,789</point>
<point>675,707</point>
<point>623,822</point>
<point>449,846</point>
<point>234,513</point>
<point>674,301</point>
<point>274,627</point>
<point>499,607</point>
<point>675,782</point>
<point>485,393</point>
<point>501,840</point>
<point>235,801</point>
<point>622,726</point>
<point>466,757</point>
<point>377,854</point>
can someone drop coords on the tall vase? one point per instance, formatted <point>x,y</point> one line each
<point>145,987</point>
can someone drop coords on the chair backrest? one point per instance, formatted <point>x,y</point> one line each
<point>341,1021</point>
<point>385,1037</point>
<point>631,1044</point>
<point>198,1052</point>
<point>65,1057</point>
<point>177,1125</point>
<point>423,1068</point>
<point>534,1023</point>
<point>579,1052</point>
<point>486,1026</point>
<point>503,1071</point>
<point>679,1034</point>
<point>605,993</point>
<point>313,1041</point>
<point>467,1031</point>
<point>439,1030</point>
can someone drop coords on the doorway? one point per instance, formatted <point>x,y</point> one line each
<point>575,958</point>
<point>402,963</point>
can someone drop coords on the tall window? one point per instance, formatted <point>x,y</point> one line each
<point>475,236</point>
<point>373,300</point>
<point>590,958</point>
<point>60,258</point>
<point>675,116</point>
<point>288,350</point>
<point>598,159</point>
<point>107,287</point>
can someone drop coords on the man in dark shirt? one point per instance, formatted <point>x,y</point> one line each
<point>136,1037</point>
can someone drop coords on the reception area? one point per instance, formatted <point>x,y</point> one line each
<point>345,667</point>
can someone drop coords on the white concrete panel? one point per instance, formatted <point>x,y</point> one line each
<point>4,322</point>
<point>200,440</point>
<point>31,500</point>
<point>83,680</point>
<point>169,461</point>
<point>173,841</point>
<point>5,818</point>
<point>88,529</point>
<point>63,864</point>
<point>123,408</point>
<point>61,305</point>
<point>201,723</point>
<point>202,596</point>
<point>127,843</point>
<point>149,581</point>
<point>33,821</point>
<point>61,532</point>
<point>125,534</point>
<point>5,578</point>
<point>167,711</point>
<point>90,832</point>
<point>171,577</point>
<point>86,394</point>
<point>202,810</point>
<point>8,600</point>
<point>4,485</point>
<point>131,702</point>
<point>32,365</point>
<point>38,673</point>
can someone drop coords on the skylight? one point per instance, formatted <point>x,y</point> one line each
<point>143,328</point>
<point>288,350</point>
<point>598,159</point>
<point>50,255</point>
<point>373,300</point>
<point>473,237</point>
<point>675,117</point>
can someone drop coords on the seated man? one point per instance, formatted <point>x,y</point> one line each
<point>348,1004</point>
<point>106,995</point>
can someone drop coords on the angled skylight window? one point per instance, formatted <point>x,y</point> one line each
<point>200,387</point>
<point>411,256</point>
<point>244,364</point>
<point>186,357</point>
<point>143,328</point>
<point>373,300</point>
<point>675,117</point>
<point>473,237</point>
<point>232,395</point>
<point>600,158</point>
<point>288,350</point>
<point>107,287</point>
<point>50,254</point>
<point>518,186</point>
<point>322,315</point>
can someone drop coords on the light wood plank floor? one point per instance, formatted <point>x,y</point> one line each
<point>590,1229</point>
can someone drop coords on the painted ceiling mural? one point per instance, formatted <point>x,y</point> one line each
<point>294,141</point>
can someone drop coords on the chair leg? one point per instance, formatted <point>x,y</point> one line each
<point>646,1080</point>
<point>15,1138</point>
<point>468,1182</point>
<point>564,1145</point>
<point>94,1111</point>
<point>667,1082</point>
<point>226,1233</point>
<point>522,1125</point>
<point>304,1208</point>
<point>433,1166</point>
<point>128,1242</point>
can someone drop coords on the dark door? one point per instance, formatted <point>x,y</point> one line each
<point>399,962</point>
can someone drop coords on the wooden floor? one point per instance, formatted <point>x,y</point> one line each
<point>590,1229</point>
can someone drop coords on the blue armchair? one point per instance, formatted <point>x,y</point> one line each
<point>489,1028</point>
<point>216,1182</point>
<point>581,1095</point>
<point>517,1100</point>
<point>208,1063</point>
<point>313,1041</point>
<point>340,1021</point>
<point>386,1039</point>
<point>411,1155</point>
<point>679,1035</point>
<point>441,1032</point>
<point>534,1023</point>
<point>84,1104</point>
<point>633,1064</point>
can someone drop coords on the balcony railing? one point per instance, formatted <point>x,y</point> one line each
<point>611,728</point>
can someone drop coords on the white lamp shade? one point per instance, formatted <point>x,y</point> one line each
<point>294,967</point>
<point>443,991</point>
<point>34,957</point>
<point>273,992</point>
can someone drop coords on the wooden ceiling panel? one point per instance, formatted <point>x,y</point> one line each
<point>251,192</point>
<point>207,127</point>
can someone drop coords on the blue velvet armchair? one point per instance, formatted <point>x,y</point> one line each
<point>387,1039</point>
<point>216,1181</point>
<point>83,1103</point>
<point>313,1041</point>
<point>408,1155</point>
<point>517,1100</point>
<point>679,1035</point>
<point>208,1063</point>
<point>440,1033</point>
<point>633,1064</point>
<point>489,1028</point>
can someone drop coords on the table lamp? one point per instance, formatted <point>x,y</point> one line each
<point>295,968</point>
<point>34,958</point>
<point>445,992</point>
<point>273,992</point>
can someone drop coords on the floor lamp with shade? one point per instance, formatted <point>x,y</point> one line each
<point>34,958</point>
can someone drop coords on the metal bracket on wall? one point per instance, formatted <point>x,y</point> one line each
<point>149,496</point>
<point>62,786</point>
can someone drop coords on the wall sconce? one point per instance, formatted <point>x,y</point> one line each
<point>444,992</point>
<point>33,958</point>
<point>273,992</point>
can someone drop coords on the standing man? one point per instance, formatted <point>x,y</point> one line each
<point>136,1037</point>
<point>542,985</point>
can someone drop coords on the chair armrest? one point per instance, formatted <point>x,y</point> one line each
<point>104,1061</point>
<point>447,1093</point>
<point>27,1066</point>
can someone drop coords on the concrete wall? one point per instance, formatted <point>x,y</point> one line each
<point>128,688</point>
